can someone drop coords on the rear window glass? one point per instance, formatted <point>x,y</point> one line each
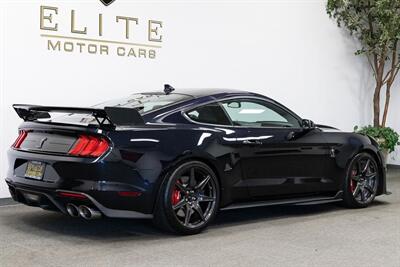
<point>144,102</point>
<point>211,114</point>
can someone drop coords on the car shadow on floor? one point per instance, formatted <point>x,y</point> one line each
<point>271,213</point>
<point>36,222</point>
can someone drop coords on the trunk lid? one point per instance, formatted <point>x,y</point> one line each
<point>40,141</point>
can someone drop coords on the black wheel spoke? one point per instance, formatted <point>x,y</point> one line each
<point>357,190</point>
<point>362,195</point>
<point>198,209</point>
<point>356,178</point>
<point>188,214</point>
<point>203,183</point>
<point>181,187</point>
<point>358,165</point>
<point>365,169</point>
<point>179,205</point>
<point>204,198</point>
<point>369,188</point>
<point>370,175</point>
<point>192,178</point>
<point>185,180</point>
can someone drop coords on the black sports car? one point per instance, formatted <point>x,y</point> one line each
<point>180,157</point>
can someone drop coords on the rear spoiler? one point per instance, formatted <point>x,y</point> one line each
<point>109,116</point>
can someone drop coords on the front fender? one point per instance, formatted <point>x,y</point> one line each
<point>352,144</point>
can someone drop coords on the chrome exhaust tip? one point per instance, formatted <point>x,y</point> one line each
<point>72,210</point>
<point>89,213</point>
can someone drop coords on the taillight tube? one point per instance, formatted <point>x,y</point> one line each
<point>89,146</point>
<point>20,139</point>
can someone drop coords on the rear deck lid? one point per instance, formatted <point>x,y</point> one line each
<point>48,142</point>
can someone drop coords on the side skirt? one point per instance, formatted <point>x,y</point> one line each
<point>292,201</point>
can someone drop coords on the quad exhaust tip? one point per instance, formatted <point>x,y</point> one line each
<point>72,210</point>
<point>89,213</point>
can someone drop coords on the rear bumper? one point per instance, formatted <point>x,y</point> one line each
<point>101,180</point>
<point>51,199</point>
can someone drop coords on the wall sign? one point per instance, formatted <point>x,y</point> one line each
<point>65,31</point>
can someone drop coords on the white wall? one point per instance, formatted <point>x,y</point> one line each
<point>288,50</point>
<point>394,119</point>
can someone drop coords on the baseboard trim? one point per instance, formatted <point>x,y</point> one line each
<point>393,166</point>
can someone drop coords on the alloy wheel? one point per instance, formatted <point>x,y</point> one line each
<point>194,197</point>
<point>364,179</point>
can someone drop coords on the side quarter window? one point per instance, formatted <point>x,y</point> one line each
<point>257,113</point>
<point>210,114</point>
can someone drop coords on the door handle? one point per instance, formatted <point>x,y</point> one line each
<point>252,142</point>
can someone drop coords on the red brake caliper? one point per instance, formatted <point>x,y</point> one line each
<point>352,182</point>
<point>176,196</point>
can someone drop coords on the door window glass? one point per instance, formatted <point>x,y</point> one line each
<point>259,114</point>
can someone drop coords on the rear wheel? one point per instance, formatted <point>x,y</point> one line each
<point>362,180</point>
<point>189,199</point>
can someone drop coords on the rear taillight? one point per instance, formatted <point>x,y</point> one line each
<point>89,146</point>
<point>21,137</point>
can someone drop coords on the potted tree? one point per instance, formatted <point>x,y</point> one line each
<point>376,25</point>
<point>386,137</point>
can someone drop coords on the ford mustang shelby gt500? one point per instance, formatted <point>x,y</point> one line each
<point>178,158</point>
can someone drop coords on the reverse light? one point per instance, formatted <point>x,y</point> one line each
<point>89,146</point>
<point>20,139</point>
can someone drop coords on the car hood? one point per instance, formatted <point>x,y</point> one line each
<point>326,128</point>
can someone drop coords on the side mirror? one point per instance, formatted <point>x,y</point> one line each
<point>307,124</point>
<point>234,104</point>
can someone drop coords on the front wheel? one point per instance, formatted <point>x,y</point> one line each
<point>188,199</point>
<point>362,180</point>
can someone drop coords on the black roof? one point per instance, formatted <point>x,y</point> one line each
<point>198,92</point>
<point>213,92</point>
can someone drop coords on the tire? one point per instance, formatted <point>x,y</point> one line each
<point>188,199</point>
<point>362,181</point>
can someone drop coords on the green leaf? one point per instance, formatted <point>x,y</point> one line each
<point>386,137</point>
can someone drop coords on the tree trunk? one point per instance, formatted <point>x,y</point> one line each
<point>380,64</point>
<point>393,73</point>
<point>387,100</point>
<point>376,102</point>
